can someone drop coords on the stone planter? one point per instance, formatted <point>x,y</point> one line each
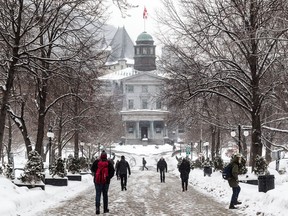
<point>28,185</point>
<point>266,183</point>
<point>74,177</point>
<point>207,170</point>
<point>250,181</point>
<point>56,181</point>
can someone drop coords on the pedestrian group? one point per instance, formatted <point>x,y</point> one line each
<point>103,170</point>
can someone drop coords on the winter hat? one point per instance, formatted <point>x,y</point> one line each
<point>103,155</point>
<point>122,157</point>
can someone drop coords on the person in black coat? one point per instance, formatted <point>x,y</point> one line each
<point>162,166</point>
<point>144,164</point>
<point>184,170</point>
<point>121,171</point>
<point>102,187</point>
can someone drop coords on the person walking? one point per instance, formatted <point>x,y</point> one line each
<point>116,165</point>
<point>144,164</point>
<point>121,171</point>
<point>234,182</point>
<point>184,169</point>
<point>162,166</point>
<point>103,170</point>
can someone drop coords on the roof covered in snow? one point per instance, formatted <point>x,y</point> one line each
<point>122,47</point>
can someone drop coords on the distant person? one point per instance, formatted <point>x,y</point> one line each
<point>144,164</point>
<point>162,166</point>
<point>234,182</point>
<point>116,165</point>
<point>103,170</point>
<point>122,169</point>
<point>184,169</point>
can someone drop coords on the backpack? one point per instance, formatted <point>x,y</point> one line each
<point>227,172</point>
<point>102,172</point>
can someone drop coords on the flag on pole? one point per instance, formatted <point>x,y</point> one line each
<point>145,14</point>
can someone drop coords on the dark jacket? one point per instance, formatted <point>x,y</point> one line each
<point>184,169</point>
<point>122,168</point>
<point>233,181</point>
<point>111,169</point>
<point>162,165</point>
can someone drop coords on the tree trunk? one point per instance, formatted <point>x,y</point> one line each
<point>256,145</point>
<point>213,144</point>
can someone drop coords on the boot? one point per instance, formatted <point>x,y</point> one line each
<point>231,206</point>
<point>97,210</point>
<point>106,210</point>
<point>238,203</point>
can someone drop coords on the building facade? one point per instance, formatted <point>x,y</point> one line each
<point>143,114</point>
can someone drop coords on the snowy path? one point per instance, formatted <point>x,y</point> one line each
<point>145,195</point>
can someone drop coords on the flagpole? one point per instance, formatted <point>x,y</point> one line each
<point>145,17</point>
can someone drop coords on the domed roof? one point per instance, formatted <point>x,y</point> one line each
<point>144,36</point>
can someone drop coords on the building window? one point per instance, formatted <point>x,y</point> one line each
<point>158,130</point>
<point>130,104</point>
<point>144,50</point>
<point>130,130</point>
<point>130,88</point>
<point>158,104</point>
<point>138,50</point>
<point>151,50</point>
<point>144,88</point>
<point>144,104</point>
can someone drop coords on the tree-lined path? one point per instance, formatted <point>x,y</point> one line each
<point>145,195</point>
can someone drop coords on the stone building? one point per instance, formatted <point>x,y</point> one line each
<point>143,114</point>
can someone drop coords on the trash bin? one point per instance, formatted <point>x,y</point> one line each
<point>207,170</point>
<point>265,183</point>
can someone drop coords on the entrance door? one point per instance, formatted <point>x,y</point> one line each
<point>144,132</point>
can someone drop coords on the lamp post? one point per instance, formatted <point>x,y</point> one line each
<point>89,151</point>
<point>82,147</point>
<point>99,148</point>
<point>233,134</point>
<point>50,135</point>
<point>206,144</point>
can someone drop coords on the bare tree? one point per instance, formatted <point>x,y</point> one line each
<point>229,49</point>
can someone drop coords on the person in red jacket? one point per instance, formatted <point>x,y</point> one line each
<point>103,170</point>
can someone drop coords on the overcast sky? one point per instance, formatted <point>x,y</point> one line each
<point>135,23</point>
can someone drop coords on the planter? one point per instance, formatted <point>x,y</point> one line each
<point>250,181</point>
<point>207,170</point>
<point>56,181</point>
<point>265,183</point>
<point>74,177</point>
<point>28,185</point>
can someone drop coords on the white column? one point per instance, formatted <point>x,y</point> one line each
<point>151,130</point>
<point>138,135</point>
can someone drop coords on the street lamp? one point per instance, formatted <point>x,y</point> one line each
<point>89,151</point>
<point>50,135</point>
<point>245,133</point>
<point>82,147</point>
<point>206,144</point>
<point>99,148</point>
